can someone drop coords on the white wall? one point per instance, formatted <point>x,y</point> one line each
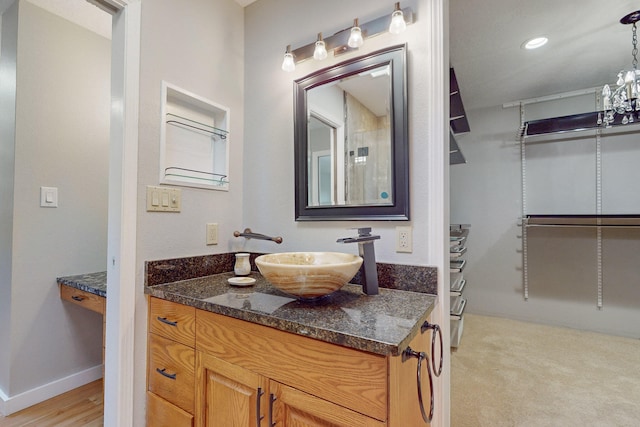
<point>560,176</point>
<point>269,193</point>
<point>8,53</point>
<point>61,141</point>
<point>198,47</point>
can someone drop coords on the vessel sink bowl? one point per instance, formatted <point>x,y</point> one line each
<point>308,275</point>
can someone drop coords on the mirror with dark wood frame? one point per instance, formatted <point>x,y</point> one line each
<point>351,140</point>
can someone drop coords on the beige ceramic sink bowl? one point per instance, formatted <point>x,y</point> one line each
<point>308,275</point>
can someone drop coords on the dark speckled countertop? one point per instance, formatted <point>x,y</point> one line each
<point>382,324</point>
<point>94,283</point>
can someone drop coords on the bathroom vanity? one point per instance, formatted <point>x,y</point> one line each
<point>253,356</point>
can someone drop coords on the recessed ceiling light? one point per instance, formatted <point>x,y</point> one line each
<point>535,43</point>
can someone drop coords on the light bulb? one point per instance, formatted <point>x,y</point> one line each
<point>320,51</point>
<point>606,97</point>
<point>629,77</point>
<point>397,25</point>
<point>355,39</point>
<point>288,64</point>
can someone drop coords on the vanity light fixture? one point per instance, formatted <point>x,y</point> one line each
<point>355,38</point>
<point>320,52</point>
<point>350,38</point>
<point>397,25</point>
<point>288,64</point>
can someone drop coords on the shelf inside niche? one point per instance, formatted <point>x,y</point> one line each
<point>194,140</point>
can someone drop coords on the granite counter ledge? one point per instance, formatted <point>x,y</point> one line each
<point>94,283</point>
<point>382,324</point>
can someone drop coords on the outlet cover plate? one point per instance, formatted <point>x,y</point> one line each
<point>212,233</point>
<point>404,239</point>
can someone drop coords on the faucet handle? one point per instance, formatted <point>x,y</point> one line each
<point>364,231</point>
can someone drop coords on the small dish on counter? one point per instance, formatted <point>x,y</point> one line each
<point>241,281</point>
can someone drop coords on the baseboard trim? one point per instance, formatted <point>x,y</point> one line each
<point>10,405</point>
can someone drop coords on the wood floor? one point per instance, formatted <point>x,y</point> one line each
<point>80,407</point>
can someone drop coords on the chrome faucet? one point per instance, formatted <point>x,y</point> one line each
<point>368,269</point>
<point>248,234</point>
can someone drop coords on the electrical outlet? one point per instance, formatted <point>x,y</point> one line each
<point>212,233</point>
<point>404,239</point>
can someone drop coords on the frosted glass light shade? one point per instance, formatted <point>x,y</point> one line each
<point>397,25</point>
<point>288,64</point>
<point>320,51</point>
<point>355,39</point>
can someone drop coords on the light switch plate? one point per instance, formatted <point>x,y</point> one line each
<point>163,199</point>
<point>48,197</point>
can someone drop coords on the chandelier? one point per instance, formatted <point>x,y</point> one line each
<point>623,100</point>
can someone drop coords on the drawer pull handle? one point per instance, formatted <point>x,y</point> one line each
<point>77,298</point>
<point>163,372</point>
<point>259,417</point>
<point>436,331</point>
<point>167,321</point>
<point>409,352</point>
<point>272,399</point>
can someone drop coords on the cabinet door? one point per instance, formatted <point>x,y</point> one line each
<point>405,406</point>
<point>228,395</point>
<point>294,408</point>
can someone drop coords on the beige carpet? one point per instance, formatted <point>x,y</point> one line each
<point>510,373</point>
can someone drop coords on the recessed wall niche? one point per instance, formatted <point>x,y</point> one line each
<point>194,138</point>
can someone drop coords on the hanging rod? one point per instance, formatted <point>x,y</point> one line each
<point>568,221</point>
<point>222,134</point>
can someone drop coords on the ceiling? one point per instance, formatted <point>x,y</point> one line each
<point>587,47</point>
<point>587,44</point>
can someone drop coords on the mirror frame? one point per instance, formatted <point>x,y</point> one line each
<point>396,58</point>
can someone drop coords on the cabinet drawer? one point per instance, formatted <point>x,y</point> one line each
<point>172,320</point>
<point>171,372</point>
<point>350,378</point>
<point>85,299</point>
<point>161,413</point>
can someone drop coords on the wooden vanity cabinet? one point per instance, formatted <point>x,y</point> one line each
<point>171,364</point>
<point>247,375</point>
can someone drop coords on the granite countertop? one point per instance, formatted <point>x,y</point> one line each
<point>94,283</point>
<point>382,324</point>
